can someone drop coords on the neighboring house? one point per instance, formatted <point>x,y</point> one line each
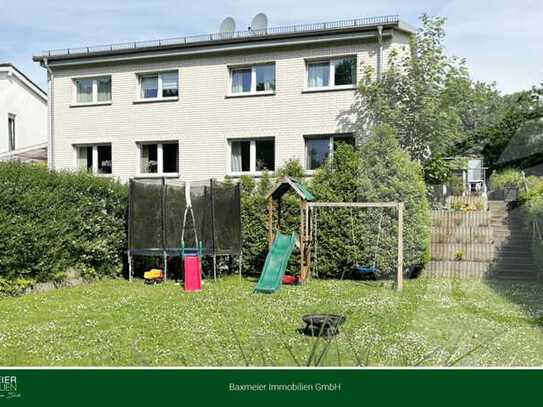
<point>215,105</point>
<point>23,117</point>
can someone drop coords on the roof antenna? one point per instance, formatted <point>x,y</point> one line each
<point>228,27</point>
<point>259,23</point>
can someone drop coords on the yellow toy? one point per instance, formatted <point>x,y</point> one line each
<point>153,276</point>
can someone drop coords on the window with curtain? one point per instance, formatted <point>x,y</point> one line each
<point>84,90</point>
<point>265,77</point>
<point>104,89</point>
<point>95,158</point>
<point>149,86</point>
<point>93,90</point>
<point>170,87</point>
<point>159,85</point>
<point>159,158</point>
<point>149,158</point>
<point>252,155</point>
<point>318,74</point>
<point>241,156</point>
<point>253,79</point>
<point>241,80</point>
<point>331,73</point>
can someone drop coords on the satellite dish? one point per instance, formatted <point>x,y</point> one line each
<point>260,22</point>
<point>228,25</point>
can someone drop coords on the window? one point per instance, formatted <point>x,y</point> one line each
<point>159,85</point>
<point>95,159</point>
<point>252,155</point>
<point>319,149</point>
<point>159,158</point>
<point>332,73</point>
<point>11,132</point>
<point>253,79</point>
<point>93,90</point>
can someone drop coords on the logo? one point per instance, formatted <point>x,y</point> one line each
<point>8,387</point>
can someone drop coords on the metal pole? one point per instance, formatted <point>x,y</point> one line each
<point>165,265</point>
<point>215,267</point>
<point>130,266</point>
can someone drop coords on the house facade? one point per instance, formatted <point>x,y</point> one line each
<point>212,106</point>
<point>23,117</point>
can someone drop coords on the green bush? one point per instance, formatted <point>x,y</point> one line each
<point>508,178</point>
<point>379,171</point>
<point>53,221</point>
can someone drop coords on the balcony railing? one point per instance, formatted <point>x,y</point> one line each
<point>291,29</point>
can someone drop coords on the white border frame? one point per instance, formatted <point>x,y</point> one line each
<point>253,91</point>
<point>331,65</point>
<point>160,160</point>
<point>252,158</point>
<point>94,79</point>
<point>94,146</point>
<point>159,98</point>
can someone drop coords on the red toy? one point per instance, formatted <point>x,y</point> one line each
<point>290,280</point>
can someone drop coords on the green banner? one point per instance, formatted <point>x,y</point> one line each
<point>264,387</point>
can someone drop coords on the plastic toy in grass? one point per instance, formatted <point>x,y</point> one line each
<point>322,324</point>
<point>154,276</point>
<point>290,280</point>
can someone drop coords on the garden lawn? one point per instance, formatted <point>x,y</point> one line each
<point>431,323</point>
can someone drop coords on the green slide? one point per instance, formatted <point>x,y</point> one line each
<point>276,263</point>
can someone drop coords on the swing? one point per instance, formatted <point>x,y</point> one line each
<point>363,271</point>
<point>369,272</point>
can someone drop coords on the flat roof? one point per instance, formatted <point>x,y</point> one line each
<point>315,29</point>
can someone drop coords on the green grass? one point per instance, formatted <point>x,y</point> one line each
<point>117,323</point>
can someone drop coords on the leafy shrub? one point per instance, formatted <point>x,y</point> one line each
<point>53,221</point>
<point>508,178</point>
<point>377,172</point>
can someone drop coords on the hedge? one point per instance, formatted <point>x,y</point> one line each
<point>53,222</point>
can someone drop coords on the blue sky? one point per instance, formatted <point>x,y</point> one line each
<point>502,40</point>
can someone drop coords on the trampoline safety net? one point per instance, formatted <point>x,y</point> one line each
<point>157,210</point>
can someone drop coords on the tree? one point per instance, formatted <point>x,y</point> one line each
<point>378,171</point>
<point>429,100</point>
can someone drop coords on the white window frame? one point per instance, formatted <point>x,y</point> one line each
<point>159,98</point>
<point>252,157</point>
<point>94,157</point>
<point>94,80</point>
<point>160,160</point>
<point>331,138</point>
<point>253,91</point>
<point>332,74</point>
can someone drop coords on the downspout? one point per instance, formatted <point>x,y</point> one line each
<point>50,115</point>
<point>379,52</point>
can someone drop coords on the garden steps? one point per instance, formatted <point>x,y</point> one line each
<point>480,244</point>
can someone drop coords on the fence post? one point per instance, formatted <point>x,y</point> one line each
<point>399,272</point>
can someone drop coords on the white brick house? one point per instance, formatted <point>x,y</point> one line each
<point>211,106</point>
<point>23,116</point>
